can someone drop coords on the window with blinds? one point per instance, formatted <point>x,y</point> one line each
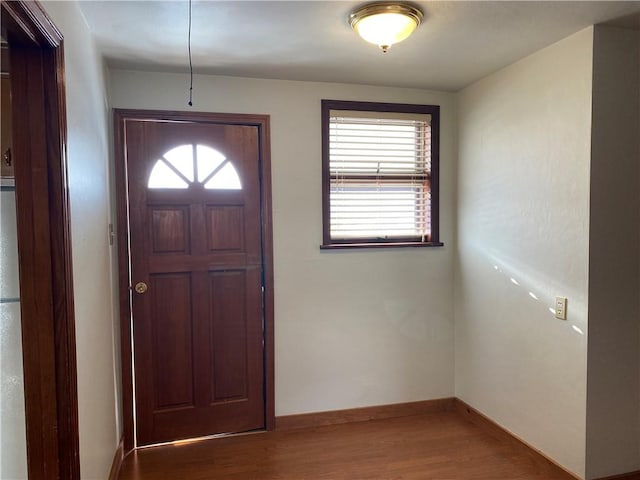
<point>378,173</point>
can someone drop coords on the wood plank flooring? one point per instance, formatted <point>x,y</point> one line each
<point>432,446</point>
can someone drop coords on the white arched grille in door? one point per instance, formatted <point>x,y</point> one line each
<point>185,165</point>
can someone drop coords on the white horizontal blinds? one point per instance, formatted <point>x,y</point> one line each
<point>379,165</point>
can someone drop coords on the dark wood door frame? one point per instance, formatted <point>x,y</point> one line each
<point>44,241</point>
<point>262,123</point>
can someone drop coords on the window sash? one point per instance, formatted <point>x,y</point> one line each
<point>380,210</point>
<point>379,169</point>
<point>381,146</point>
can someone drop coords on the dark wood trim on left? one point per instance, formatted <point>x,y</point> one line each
<point>44,240</point>
<point>122,229</point>
<point>260,121</point>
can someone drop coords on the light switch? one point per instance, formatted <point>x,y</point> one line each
<point>561,308</point>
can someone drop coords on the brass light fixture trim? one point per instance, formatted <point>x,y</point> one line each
<point>409,16</point>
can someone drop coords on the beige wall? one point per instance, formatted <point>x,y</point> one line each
<point>13,438</point>
<point>353,328</point>
<point>88,154</point>
<point>523,231</point>
<point>613,393</point>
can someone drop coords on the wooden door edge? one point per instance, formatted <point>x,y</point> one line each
<point>49,361</point>
<point>262,123</point>
<point>122,235</point>
<point>267,259</point>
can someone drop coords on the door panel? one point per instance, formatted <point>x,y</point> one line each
<point>228,335</point>
<point>195,241</point>
<point>169,229</point>
<point>231,236</point>
<point>172,350</point>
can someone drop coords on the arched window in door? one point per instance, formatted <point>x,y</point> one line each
<point>185,165</point>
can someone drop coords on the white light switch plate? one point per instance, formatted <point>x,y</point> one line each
<point>561,308</point>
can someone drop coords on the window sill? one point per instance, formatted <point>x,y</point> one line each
<point>340,246</point>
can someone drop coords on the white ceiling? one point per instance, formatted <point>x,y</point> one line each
<point>458,43</point>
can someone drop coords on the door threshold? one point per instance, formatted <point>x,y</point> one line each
<point>187,441</point>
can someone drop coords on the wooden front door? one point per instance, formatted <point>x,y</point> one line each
<point>196,266</point>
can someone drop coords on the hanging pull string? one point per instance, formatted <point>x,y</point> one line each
<point>190,61</point>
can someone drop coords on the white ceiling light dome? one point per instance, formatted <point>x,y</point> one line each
<point>385,23</point>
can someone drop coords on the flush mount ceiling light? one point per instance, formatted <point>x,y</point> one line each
<point>385,23</point>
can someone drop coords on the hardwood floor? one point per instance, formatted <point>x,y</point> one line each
<point>432,446</point>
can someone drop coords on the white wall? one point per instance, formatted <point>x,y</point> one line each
<point>613,394</point>
<point>353,328</point>
<point>523,231</point>
<point>88,153</point>
<point>13,435</point>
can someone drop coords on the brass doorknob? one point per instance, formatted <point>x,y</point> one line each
<point>141,287</point>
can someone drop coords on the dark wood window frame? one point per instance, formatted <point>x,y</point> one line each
<point>434,110</point>
<point>262,123</point>
<point>44,240</point>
